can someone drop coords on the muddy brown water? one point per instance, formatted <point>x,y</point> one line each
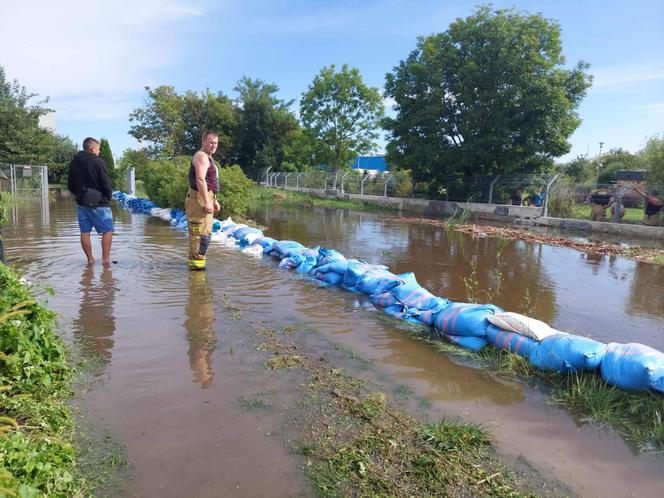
<point>175,363</point>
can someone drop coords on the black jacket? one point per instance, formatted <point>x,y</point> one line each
<point>86,170</point>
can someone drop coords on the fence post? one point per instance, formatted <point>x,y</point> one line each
<point>12,180</point>
<point>491,189</point>
<point>297,180</point>
<point>387,179</point>
<point>44,183</point>
<point>343,178</point>
<point>286,180</point>
<point>362,184</point>
<point>548,192</point>
<point>131,181</point>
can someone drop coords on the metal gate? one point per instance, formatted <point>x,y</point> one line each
<point>25,180</point>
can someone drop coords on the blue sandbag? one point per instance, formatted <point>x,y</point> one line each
<point>330,278</point>
<point>244,231</point>
<point>399,312</point>
<point>289,263</point>
<point>176,213</point>
<point>510,341</point>
<point>216,226</point>
<point>633,367</point>
<point>377,281</point>
<point>465,319</point>
<point>412,295</point>
<point>326,256</point>
<point>383,300</point>
<point>473,343</point>
<point>306,260</point>
<point>279,248</point>
<point>567,353</point>
<point>355,270</point>
<point>265,241</point>
<point>336,266</point>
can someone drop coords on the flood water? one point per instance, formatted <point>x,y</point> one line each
<point>175,364</point>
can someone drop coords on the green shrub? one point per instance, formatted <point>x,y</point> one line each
<point>236,191</point>
<point>166,181</point>
<point>561,201</point>
<point>403,184</point>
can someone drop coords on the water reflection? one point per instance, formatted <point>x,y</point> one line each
<point>647,290</point>
<point>95,323</point>
<point>200,332</point>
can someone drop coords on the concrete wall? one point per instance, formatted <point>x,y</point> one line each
<point>494,212</point>
<point>435,209</point>
<point>595,227</point>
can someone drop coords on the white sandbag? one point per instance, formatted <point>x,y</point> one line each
<point>255,250</point>
<point>230,241</point>
<point>166,214</point>
<point>521,324</point>
<point>228,221</point>
<point>250,238</point>
<point>218,237</point>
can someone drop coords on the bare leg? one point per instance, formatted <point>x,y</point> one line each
<point>106,240</point>
<point>87,247</point>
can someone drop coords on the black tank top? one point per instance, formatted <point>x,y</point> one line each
<point>211,176</point>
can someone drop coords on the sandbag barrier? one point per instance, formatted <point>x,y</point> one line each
<point>633,367</point>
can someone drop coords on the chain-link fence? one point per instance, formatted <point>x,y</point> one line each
<point>557,196</point>
<point>498,190</point>
<point>24,180</point>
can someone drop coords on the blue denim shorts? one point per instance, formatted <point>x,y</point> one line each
<point>100,217</point>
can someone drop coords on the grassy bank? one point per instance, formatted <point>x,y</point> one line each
<point>264,195</point>
<point>355,442</point>
<point>36,453</point>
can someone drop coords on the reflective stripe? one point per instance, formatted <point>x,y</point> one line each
<point>197,263</point>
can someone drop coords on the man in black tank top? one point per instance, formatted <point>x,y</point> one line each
<point>201,203</point>
<point>652,208</point>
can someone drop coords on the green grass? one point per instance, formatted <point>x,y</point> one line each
<point>637,416</point>
<point>632,215</point>
<point>37,456</point>
<point>263,195</point>
<point>357,444</point>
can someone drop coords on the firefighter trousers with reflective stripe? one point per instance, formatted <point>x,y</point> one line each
<point>199,225</point>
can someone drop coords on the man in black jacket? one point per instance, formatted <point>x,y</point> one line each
<point>89,182</point>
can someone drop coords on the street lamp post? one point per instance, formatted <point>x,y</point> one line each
<point>599,164</point>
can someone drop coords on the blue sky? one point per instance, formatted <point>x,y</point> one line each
<point>94,58</point>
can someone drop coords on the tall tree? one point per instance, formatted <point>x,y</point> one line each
<point>171,124</point>
<point>22,141</point>
<point>652,156</point>
<point>342,113</point>
<point>488,95</point>
<point>106,155</point>
<point>266,128</point>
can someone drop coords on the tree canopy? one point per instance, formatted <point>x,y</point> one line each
<point>652,157</point>
<point>266,128</point>
<point>171,124</point>
<point>487,96</point>
<point>342,114</point>
<point>22,140</point>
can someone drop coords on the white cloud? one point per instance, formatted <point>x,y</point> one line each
<point>78,49</point>
<point>627,75</point>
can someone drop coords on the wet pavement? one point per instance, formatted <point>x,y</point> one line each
<point>175,361</point>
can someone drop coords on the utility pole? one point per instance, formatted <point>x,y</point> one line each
<point>599,164</point>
